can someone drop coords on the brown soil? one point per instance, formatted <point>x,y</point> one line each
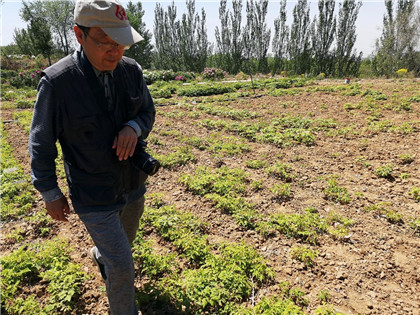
<point>374,270</point>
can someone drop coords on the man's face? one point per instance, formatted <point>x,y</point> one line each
<point>102,52</point>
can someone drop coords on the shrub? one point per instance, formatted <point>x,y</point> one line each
<point>213,74</point>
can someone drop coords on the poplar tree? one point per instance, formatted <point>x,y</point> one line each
<point>323,31</point>
<point>167,41</point>
<point>280,39</point>
<point>347,60</point>
<point>142,51</point>
<point>229,38</point>
<point>299,48</point>
<point>396,48</point>
<point>257,33</point>
<point>193,39</point>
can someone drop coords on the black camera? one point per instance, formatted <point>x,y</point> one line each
<point>141,160</point>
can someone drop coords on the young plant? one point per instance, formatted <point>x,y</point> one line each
<point>406,158</point>
<point>280,170</point>
<point>281,191</point>
<point>385,171</point>
<point>336,193</point>
<point>304,254</point>
<point>415,193</point>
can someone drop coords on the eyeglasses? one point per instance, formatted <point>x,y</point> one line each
<point>107,46</point>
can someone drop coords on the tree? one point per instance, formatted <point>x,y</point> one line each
<point>347,60</point>
<point>193,39</point>
<point>229,39</point>
<point>257,35</point>
<point>167,41</point>
<point>58,16</point>
<point>397,45</point>
<point>142,51</point>
<point>40,36</point>
<point>323,31</point>
<point>280,39</point>
<point>299,48</point>
<point>23,41</point>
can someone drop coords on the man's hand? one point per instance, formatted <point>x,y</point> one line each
<point>59,209</point>
<point>125,143</point>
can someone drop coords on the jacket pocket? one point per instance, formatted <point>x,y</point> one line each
<point>92,190</point>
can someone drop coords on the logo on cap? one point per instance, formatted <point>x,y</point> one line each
<point>120,14</point>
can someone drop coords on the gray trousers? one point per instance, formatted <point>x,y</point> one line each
<point>113,232</point>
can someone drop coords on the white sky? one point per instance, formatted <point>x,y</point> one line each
<point>369,22</point>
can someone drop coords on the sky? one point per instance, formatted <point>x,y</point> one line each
<point>368,25</point>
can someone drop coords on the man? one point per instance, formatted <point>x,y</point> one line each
<point>96,103</point>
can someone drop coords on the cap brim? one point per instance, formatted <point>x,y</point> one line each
<point>126,36</point>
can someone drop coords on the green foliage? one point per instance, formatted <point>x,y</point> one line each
<point>222,181</point>
<point>181,156</point>
<point>24,119</point>
<point>256,164</point>
<point>324,296</point>
<point>281,191</point>
<point>228,146</point>
<point>385,171</point>
<point>406,158</point>
<point>304,254</point>
<point>49,265</point>
<point>415,225</point>
<point>306,226</point>
<point>204,89</point>
<point>153,265</point>
<point>227,111</point>
<point>281,171</point>
<point>383,209</point>
<point>327,310</point>
<point>228,276</point>
<point>183,229</point>
<point>415,193</point>
<point>336,193</point>
<point>17,195</point>
<point>21,79</point>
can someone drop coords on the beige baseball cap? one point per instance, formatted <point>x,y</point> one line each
<point>110,16</point>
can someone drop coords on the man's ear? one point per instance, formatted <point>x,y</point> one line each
<point>79,35</point>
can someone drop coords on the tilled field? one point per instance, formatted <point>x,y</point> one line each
<point>321,181</point>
